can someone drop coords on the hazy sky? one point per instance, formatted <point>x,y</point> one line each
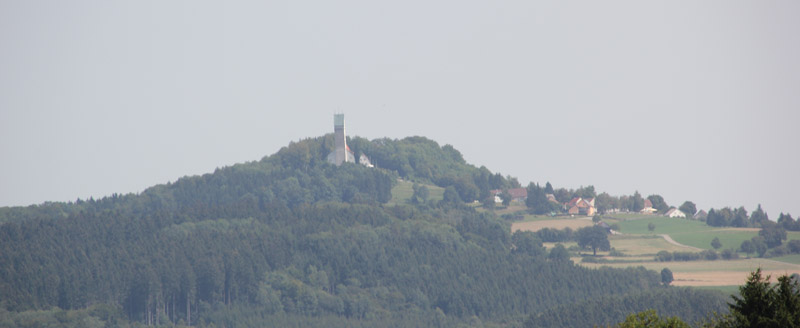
<point>694,100</point>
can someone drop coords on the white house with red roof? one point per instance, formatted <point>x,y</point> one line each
<point>581,206</point>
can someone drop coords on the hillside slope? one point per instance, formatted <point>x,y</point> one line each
<point>291,239</point>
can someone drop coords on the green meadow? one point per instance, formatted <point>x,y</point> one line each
<point>404,190</point>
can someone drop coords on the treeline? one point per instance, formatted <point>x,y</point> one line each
<point>421,159</point>
<point>689,304</point>
<point>292,238</point>
<point>538,202</point>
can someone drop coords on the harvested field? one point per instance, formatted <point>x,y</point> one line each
<point>720,278</point>
<point>724,273</point>
<point>554,224</point>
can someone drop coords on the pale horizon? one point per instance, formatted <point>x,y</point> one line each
<point>692,101</point>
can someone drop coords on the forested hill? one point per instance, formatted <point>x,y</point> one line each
<point>292,240</point>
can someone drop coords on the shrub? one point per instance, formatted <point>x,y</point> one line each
<point>685,256</point>
<point>794,246</point>
<point>663,256</point>
<point>777,251</point>
<point>615,252</point>
<point>710,255</point>
<point>729,254</point>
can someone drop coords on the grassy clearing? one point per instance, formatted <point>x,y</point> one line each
<point>642,246</point>
<point>702,239</point>
<point>727,290</point>
<point>711,273</point>
<point>794,258</point>
<point>689,232</point>
<point>403,191</point>
<point>663,226</point>
<point>742,266</point>
<point>629,216</point>
<point>551,223</point>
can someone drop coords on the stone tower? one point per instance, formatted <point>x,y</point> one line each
<point>341,153</point>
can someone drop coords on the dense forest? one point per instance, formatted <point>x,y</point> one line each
<point>292,240</point>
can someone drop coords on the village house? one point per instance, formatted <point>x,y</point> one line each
<point>518,195</point>
<point>648,207</point>
<point>700,215</point>
<point>581,206</point>
<point>675,213</point>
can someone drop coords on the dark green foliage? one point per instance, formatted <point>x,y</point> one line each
<point>658,203</point>
<point>729,254</point>
<point>688,207</point>
<point>594,237</point>
<point>421,194</point>
<point>650,319</point>
<point>551,235</point>
<point>716,243</point>
<point>96,316</point>
<point>690,305</point>
<point>794,246</point>
<point>506,197</point>
<point>773,234</point>
<point>666,276</point>
<point>735,217</point>
<point>292,240</point>
<point>747,247</point>
<point>787,222</point>
<point>525,242</point>
<point>666,256</point>
<point>758,216</point>
<point>637,202</point>
<point>548,188</point>
<point>663,256</point>
<point>719,218</point>
<point>537,200</point>
<point>559,253</point>
<point>585,192</point>
<point>761,304</point>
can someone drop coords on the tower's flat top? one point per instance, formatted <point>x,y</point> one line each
<point>338,119</point>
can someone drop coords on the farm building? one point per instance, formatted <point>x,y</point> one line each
<point>674,213</point>
<point>518,195</point>
<point>700,215</point>
<point>648,207</point>
<point>581,206</point>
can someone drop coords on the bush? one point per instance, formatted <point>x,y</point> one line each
<point>685,256</point>
<point>729,254</point>
<point>663,256</point>
<point>615,252</point>
<point>794,246</point>
<point>710,255</point>
<point>778,251</point>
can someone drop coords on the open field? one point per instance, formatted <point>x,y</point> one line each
<point>663,225</point>
<point>643,246</point>
<point>638,246</point>
<point>403,191</point>
<point>551,223</point>
<point>711,273</point>
<point>694,233</point>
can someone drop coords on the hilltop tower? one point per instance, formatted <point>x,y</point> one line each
<point>341,153</point>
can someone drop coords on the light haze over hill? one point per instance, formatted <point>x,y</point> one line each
<point>693,101</point>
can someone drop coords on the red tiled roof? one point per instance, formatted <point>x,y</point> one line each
<point>518,193</point>
<point>574,201</point>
